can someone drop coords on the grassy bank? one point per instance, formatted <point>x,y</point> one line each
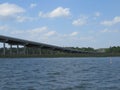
<point>64,55</point>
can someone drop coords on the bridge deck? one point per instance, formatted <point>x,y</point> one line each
<point>27,43</point>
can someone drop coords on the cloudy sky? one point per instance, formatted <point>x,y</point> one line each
<point>79,23</point>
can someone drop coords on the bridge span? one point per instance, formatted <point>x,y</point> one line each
<point>27,46</point>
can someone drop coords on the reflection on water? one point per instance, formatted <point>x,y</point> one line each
<point>60,74</point>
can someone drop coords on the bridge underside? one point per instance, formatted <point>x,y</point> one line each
<point>25,47</point>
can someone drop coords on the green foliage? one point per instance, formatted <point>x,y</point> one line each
<point>83,48</point>
<point>114,49</point>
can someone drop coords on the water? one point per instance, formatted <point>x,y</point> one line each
<point>60,74</point>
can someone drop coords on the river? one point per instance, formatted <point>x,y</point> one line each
<point>60,73</point>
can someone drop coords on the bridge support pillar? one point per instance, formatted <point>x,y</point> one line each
<point>33,51</point>
<point>52,51</point>
<point>10,49</point>
<point>24,50</point>
<point>4,50</point>
<point>17,49</point>
<point>27,51</point>
<point>40,51</point>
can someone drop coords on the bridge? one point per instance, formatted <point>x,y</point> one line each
<point>24,47</point>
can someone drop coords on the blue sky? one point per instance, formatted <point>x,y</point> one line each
<point>80,23</point>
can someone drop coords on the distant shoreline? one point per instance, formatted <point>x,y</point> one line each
<point>64,56</point>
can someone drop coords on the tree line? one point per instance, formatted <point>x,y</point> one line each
<point>113,49</point>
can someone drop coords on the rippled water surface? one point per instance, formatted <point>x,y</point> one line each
<point>60,74</point>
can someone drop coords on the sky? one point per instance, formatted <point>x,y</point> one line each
<point>66,23</point>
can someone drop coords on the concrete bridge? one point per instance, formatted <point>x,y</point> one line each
<point>26,45</point>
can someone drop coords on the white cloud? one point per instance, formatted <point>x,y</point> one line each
<point>34,31</point>
<point>3,28</point>
<point>32,5</point>
<point>51,33</point>
<point>58,12</point>
<point>40,34</point>
<point>97,14</point>
<point>88,38</point>
<point>35,34</point>
<point>15,32</point>
<point>109,31</point>
<point>7,9</point>
<point>74,34</point>
<point>112,22</point>
<point>13,12</point>
<point>38,30</point>
<point>80,22</point>
<point>23,18</point>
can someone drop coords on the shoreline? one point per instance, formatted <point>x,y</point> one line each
<point>62,56</point>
